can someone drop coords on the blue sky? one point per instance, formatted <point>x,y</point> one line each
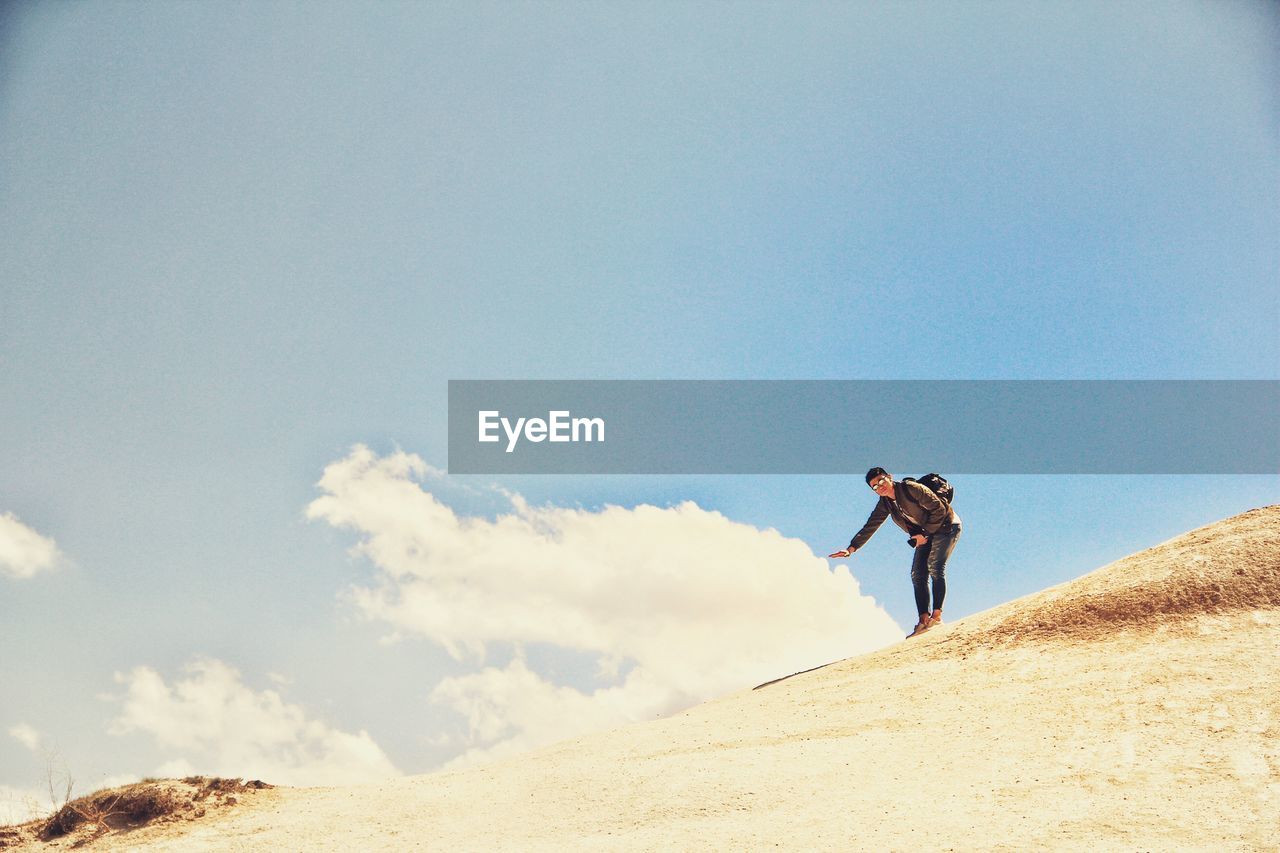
<point>240,239</point>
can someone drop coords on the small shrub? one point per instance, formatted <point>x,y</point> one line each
<point>142,803</point>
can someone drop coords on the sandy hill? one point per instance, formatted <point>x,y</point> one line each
<point>1136,707</point>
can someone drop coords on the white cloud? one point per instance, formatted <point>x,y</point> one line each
<point>26,735</point>
<point>513,709</point>
<point>225,728</point>
<point>19,805</point>
<point>23,552</point>
<point>687,602</point>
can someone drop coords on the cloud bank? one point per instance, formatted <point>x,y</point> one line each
<point>19,805</point>
<point>676,604</point>
<point>222,727</point>
<point>24,553</point>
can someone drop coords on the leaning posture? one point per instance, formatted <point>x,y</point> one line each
<point>933,527</point>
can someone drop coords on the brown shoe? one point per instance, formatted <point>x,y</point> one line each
<point>920,628</point>
<point>935,620</point>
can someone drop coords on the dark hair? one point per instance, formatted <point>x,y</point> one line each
<point>876,472</point>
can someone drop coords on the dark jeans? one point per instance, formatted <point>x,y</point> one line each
<point>931,562</point>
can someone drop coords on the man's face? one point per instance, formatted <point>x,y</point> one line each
<point>881,485</point>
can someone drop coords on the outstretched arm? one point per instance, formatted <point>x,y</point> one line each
<point>877,517</point>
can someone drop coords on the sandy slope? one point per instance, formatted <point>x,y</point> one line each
<point>1134,708</point>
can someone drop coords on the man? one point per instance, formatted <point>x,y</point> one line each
<point>933,527</point>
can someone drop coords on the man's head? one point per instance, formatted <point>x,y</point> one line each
<point>880,481</point>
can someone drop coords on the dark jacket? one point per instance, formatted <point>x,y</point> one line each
<point>916,510</point>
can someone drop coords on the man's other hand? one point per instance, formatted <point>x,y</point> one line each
<point>840,554</point>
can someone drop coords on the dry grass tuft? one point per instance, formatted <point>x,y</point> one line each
<point>130,807</point>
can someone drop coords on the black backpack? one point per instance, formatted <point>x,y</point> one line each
<point>936,484</point>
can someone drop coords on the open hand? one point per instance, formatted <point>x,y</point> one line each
<point>919,540</point>
<point>840,554</point>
